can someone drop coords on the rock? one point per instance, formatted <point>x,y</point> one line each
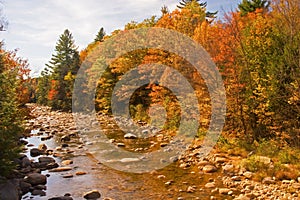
<point>224,191</point>
<point>46,160</point>
<point>191,189</point>
<point>25,162</point>
<point>61,169</point>
<point>210,185</point>
<point>242,197</point>
<point>130,136</point>
<point>61,198</point>
<point>8,190</point>
<point>228,168</point>
<point>248,175</point>
<point>221,160</point>
<point>65,138</point>
<point>42,147</point>
<point>296,186</point>
<point>161,176</point>
<point>120,144</point>
<point>209,169</point>
<point>68,176</point>
<point>36,179</point>
<point>125,160</point>
<point>146,132</point>
<point>25,187</point>
<point>38,192</point>
<point>40,187</point>
<point>236,178</point>
<point>94,194</point>
<point>35,152</point>
<point>268,180</point>
<point>80,173</point>
<point>66,162</point>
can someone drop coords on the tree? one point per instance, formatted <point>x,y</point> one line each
<point>248,6</point>
<point>192,3</point>
<point>64,65</point>
<point>100,35</point>
<point>10,119</point>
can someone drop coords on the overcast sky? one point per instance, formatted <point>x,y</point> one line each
<point>35,25</point>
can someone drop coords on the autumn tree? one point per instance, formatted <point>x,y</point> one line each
<point>10,118</point>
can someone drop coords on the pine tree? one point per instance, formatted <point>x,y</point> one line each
<point>64,65</point>
<point>248,6</point>
<point>191,3</point>
<point>10,119</point>
<point>100,35</point>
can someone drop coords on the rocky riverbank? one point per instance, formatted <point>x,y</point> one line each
<point>60,143</point>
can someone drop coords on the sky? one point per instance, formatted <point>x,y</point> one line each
<point>34,26</point>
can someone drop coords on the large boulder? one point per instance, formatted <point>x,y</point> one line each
<point>8,190</point>
<point>36,179</point>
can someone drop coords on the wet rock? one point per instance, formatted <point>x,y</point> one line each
<point>42,147</point>
<point>35,152</point>
<point>65,138</point>
<point>46,160</point>
<point>61,169</point>
<point>94,194</point>
<point>38,192</point>
<point>61,198</point>
<point>40,187</point>
<point>36,179</point>
<point>120,144</point>
<point>25,162</point>
<point>8,190</point>
<point>268,180</point>
<point>66,162</point>
<point>25,187</point>
<point>209,169</point>
<point>79,173</point>
<point>68,176</point>
<point>130,136</point>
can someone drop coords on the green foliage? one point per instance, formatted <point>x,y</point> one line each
<point>248,6</point>
<point>65,62</point>
<point>100,35</point>
<point>10,119</point>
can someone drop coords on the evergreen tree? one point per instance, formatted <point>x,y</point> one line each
<point>10,119</point>
<point>100,35</point>
<point>248,6</point>
<point>43,87</point>
<point>64,65</point>
<point>191,3</point>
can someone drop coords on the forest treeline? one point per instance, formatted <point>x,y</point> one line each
<point>256,49</point>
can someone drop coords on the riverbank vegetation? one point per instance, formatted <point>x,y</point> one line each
<point>256,49</point>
